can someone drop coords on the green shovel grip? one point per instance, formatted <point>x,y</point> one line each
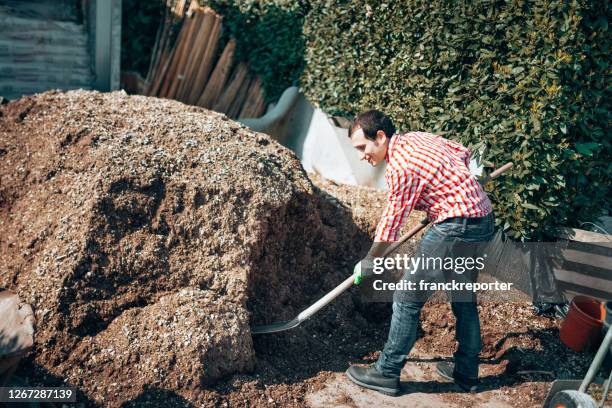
<point>357,273</point>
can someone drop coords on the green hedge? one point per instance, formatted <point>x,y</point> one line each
<point>525,80</point>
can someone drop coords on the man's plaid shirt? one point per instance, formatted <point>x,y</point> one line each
<point>429,173</point>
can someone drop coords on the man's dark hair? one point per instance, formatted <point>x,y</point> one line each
<point>371,122</point>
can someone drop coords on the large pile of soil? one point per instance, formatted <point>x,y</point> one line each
<point>149,235</point>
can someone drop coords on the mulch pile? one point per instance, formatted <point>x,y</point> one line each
<point>149,236</point>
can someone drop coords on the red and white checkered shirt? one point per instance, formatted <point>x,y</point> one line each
<point>429,173</point>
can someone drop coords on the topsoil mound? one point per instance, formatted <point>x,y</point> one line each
<point>149,235</point>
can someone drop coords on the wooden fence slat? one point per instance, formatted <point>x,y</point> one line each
<point>218,78</point>
<point>234,109</point>
<point>229,93</point>
<point>183,56</point>
<point>206,62</point>
<point>166,80</point>
<point>254,105</point>
<point>198,47</point>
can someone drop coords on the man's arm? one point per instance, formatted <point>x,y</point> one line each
<point>404,191</point>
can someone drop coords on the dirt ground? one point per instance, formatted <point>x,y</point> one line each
<point>149,236</point>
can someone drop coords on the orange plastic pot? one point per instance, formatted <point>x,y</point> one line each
<point>581,329</point>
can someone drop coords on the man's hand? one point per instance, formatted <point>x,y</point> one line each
<point>357,273</point>
<point>362,270</point>
<point>364,267</point>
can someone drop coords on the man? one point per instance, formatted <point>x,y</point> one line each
<point>429,173</point>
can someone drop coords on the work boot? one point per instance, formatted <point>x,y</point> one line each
<point>369,377</point>
<point>447,370</point>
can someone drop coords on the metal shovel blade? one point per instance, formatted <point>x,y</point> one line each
<point>275,327</point>
<point>306,313</point>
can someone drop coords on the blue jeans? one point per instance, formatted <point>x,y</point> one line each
<point>441,240</point>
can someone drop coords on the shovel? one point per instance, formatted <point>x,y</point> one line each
<point>348,282</point>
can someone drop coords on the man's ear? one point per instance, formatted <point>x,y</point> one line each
<point>381,137</point>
